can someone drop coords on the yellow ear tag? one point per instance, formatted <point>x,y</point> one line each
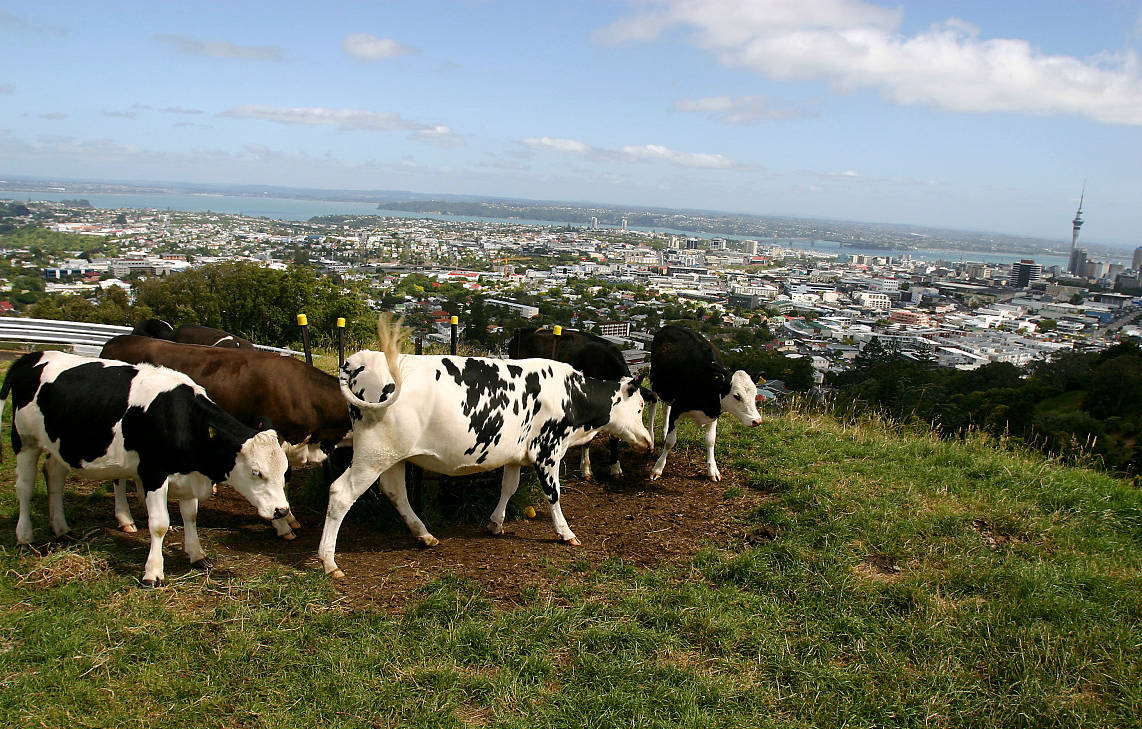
<point>210,430</point>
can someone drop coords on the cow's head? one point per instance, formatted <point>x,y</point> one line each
<point>259,474</point>
<point>739,398</point>
<point>626,414</point>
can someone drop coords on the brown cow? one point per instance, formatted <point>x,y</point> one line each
<point>303,404</point>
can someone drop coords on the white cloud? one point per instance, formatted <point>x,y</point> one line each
<point>181,110</point>
<point>571,146</point>
<point>220,49</point>
<point>366,47</point>
<point>349,120</point>
<point>853,45</point>
<point>631,153</point>
<point>439,135</point>
<point>121,114</point>
<point>740,110</point>
<point>673,156</point>
<point>345,119</point>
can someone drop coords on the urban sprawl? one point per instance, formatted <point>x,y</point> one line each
<point>824,306</point>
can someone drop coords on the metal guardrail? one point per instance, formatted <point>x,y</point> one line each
<point>84,337</point>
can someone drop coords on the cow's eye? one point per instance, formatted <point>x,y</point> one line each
<point>737,397</point>
<point>256,473</point>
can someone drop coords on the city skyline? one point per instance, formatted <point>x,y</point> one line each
<point>988,120</point>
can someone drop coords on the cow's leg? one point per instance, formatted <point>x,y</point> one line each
<point>585,462</point>
<point>508,487</point>
<point>25,483</point>
<point>670,437</point>
<point>711,465</point>
<point>653,415</point>
<point>549,480</point>
<point>343,493</point>
<point>123,508</point>
<point>190,543</point>
<point>393,484</point>
<point>55,473</point>
<point>616,467</point>
<point>158,522</point>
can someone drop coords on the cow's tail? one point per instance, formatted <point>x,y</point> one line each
<point>361,379</point>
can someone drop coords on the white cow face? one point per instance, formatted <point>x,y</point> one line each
<point>259,475</point>
<point>741,399</point>
<point>626,415</point>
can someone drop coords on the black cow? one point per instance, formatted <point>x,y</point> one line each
<point>590,354</point>
<point>687,373</point>
<point>191,334</point>
<point>105,419</point>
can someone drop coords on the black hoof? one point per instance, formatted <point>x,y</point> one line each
<point>149,584</point>
<point>202,564</point>
<point>67,537</point>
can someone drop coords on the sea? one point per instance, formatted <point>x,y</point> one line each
<point>279,208</point>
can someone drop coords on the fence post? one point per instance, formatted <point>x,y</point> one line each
<point>340,341</point>
<point>558,332</point>
<point>455,323</point>
<point>303,322</point>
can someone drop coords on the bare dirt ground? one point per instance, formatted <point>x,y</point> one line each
<point>632,519</point>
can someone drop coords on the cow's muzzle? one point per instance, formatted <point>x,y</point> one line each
<point>280,513</point>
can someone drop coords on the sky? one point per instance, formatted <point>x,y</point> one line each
<point>972,115</point>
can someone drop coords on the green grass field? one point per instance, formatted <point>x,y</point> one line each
<point>887,580</point>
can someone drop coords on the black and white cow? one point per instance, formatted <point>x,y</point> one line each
<point>590,354</point>
<point>462,415</point>
<point>686,372</point>
<point>105,419</point>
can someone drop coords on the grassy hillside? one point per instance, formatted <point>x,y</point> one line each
<point>887,579</point>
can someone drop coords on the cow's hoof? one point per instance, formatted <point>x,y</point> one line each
<point>150,584</point>
<point>655,476</point>
<point>573,542</point>
<point>68,536</point>
<point>288,536</point>
<point>494,528</point>
<point>128,528</point>
<point>428,541</point>
<point>337,574</point>
<point>203,564</point>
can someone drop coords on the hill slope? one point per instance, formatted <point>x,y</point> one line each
<point>879,579</point>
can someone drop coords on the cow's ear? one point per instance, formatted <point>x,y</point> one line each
<point>634,384</point>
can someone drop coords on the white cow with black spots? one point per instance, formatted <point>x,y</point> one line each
<point>106,419</point>
<point>462,415</point>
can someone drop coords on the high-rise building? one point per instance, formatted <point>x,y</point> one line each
<point>1075,225</point>
<point>1077,263</point>
<point>1136,264</point>
<point>1024,272</point>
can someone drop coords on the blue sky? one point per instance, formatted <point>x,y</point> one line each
<point>975,115</point>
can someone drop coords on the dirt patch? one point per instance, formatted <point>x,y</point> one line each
<point>640,522</point>
<point>994,539</point>
<point>879,567</point>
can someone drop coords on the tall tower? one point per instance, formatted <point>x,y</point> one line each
<point>1075,225</point>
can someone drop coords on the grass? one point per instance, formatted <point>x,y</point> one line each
<point>887,579</point>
